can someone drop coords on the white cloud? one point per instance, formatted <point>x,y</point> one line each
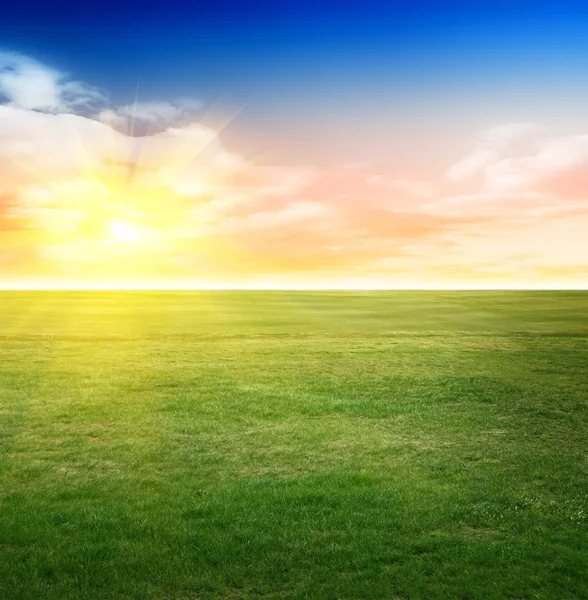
<point>518,158</point>
<point>28,84</point>
<point>556,156</point>
<point>472,164</point>
<point>52,146</point>
<point>56,146</point>
<point>491,145</point>
<point>150,115</point>
<point>501,137</point>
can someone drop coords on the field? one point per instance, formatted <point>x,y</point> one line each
<point>390,445</point>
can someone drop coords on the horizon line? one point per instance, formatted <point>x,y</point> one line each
<point>456,288</point>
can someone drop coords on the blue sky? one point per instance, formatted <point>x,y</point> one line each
<point>305,50</point>
<point>315,73</point>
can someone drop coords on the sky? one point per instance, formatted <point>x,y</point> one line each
<point>270,144</point>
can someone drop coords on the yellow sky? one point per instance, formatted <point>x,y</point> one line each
<point>84,205</point>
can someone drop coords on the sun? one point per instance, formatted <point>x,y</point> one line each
<point>125,232</point>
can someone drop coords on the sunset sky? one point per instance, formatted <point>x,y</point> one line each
<point>277,144</point>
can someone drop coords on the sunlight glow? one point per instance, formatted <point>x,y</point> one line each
<point>84,205</point>
<point>125,232</point>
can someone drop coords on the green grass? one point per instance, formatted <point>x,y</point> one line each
<point>293,445</point>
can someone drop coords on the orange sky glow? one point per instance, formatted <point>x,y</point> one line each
<point>86,204</point>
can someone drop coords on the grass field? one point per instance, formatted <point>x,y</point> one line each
<point>293,445</point>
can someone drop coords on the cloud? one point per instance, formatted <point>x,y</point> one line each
<point>53,147</point>
<point>562,156</point>
<point>28,84</point>
<point>145,117</point>
<point>491,144</point>
<point>518,159</point>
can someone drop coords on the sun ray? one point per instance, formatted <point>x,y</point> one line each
<point>137,142</point>
<point>83,154</point>
<point>184,155</point>
<point>131,128</point>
